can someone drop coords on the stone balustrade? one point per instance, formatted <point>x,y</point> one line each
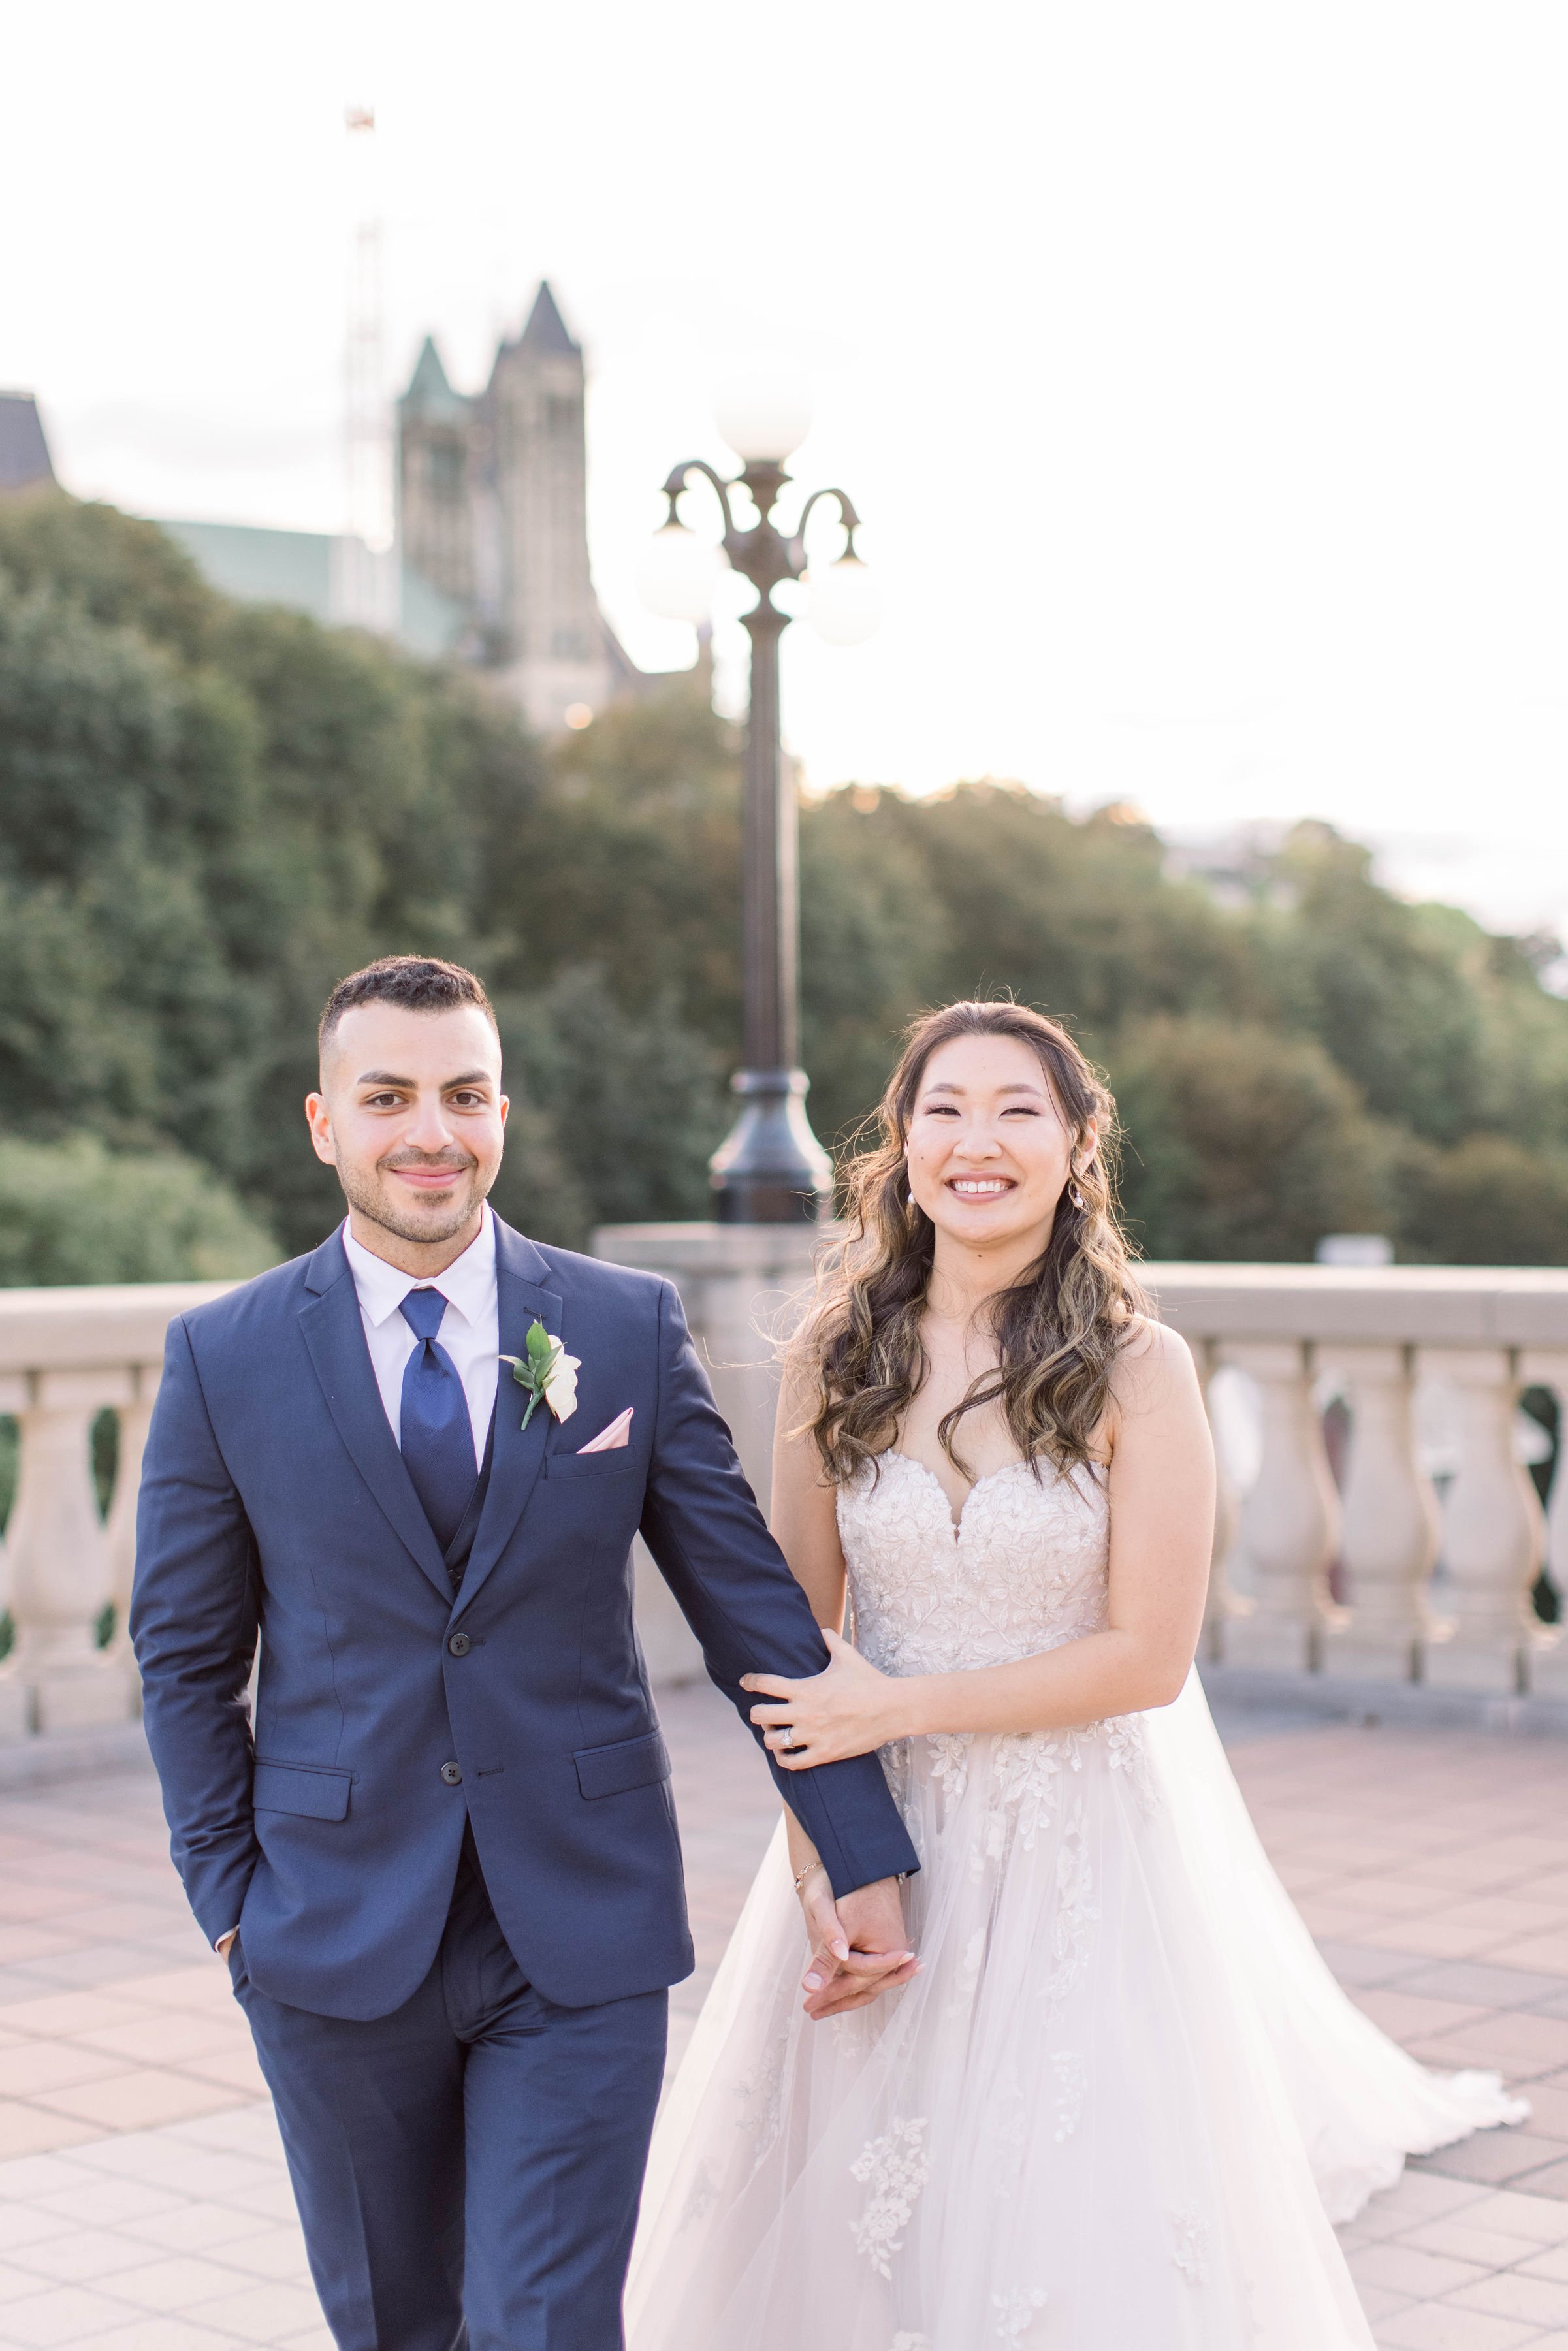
<point>1434,1588</point>
<point>66,1356</point>
<point>1433,1547</point>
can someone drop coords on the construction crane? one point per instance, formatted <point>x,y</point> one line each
<point>365,585</point>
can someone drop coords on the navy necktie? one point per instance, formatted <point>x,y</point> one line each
<point>437,1434</point>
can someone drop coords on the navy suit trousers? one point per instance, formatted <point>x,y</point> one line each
<point>467,2168</point>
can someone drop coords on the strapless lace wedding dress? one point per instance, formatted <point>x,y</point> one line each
<point>1122,2103</point>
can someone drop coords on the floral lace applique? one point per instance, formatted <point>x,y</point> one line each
<point>1129,1751</point>
<point>1076,1912</point>
<point>701,2198</point>
<point>1017,2312</point>
<point>1074,2075</point>
<point>1025,1570</point>
<point>962,1997</point>
<point>1028,1771</point>
<point>761,2095</point>
<point>1190,2254</point>
<point>1026,1766</point>
<point>853,2032</point>
<point>894,1761</point>
<point>896,2167</point>
<point>949,1753</point>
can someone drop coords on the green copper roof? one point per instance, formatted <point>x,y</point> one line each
<point>429,393</point>
<point>299,569</point>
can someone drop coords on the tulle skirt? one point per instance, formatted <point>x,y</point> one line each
<point>1118,2110</point>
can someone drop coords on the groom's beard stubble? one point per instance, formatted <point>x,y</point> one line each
<point>375,1201</point>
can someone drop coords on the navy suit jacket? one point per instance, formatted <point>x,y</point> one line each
<point>274,1504</point>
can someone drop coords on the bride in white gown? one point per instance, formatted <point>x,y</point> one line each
<point>1123,2100</point>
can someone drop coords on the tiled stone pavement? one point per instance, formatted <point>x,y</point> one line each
<point>144,2205</point>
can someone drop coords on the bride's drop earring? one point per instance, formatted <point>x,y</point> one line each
<point>911,1205</point>
<point>1073,1193</point>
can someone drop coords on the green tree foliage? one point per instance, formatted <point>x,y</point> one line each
<point>1489,1201</point>
<point>115,568</point>
<point>1076,916</point>
<point>76,1212</point>
<point>207,820</point>
<point>1445,1028</point>
<point>1325,1059</point>
<point>1243,1143</point>
<point>873,931</point>
<point>632,1104</point>
<point>631,861</point>
<point>209,812</point>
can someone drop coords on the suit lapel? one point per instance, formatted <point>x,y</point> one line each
<point>522,1274</point>
<point>335,1335</point>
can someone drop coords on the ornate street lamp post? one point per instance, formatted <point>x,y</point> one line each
<point>771,1169</point>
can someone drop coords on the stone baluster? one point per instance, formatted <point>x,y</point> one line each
<point>14,1712</point>
<point>1223,1602</point>
<point>120,1533</point>
<point>1493,1532</point>
<point>1547,1367</point>
<point>738,1354</point>
<point>1290,1518</point>
<point>59,1560</point>
<point>1389,1542</point>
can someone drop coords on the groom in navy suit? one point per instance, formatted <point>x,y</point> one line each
<point>445,1869</point>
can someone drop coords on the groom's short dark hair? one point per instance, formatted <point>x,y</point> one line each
<point>419,983</point>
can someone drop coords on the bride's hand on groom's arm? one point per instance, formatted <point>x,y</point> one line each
<point>849,1710</point>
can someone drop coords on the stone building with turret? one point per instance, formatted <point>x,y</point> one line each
<point>490,561</point>
<point>493,515</point>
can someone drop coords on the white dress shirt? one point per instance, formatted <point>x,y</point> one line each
<point>470,1329</point>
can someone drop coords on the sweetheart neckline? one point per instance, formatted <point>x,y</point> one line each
<point>925,1470</point>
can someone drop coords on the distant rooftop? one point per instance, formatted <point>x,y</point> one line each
<point>24,451</point>
<point>315,572</point>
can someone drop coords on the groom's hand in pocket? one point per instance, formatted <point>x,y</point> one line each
<point>859,1947</point>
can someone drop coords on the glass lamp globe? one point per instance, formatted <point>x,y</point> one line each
<point>675,577</point>
<point>842,604</point>
<point>763,416</point>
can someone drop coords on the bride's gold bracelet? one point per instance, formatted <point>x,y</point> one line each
<point>801,1876</point>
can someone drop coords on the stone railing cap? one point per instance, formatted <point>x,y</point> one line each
<point>1435,1305</point>
<point>83,1327</point>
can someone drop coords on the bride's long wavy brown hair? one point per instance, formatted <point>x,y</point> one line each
<point>1058,1330</point>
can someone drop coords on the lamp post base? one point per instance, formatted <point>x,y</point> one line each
<point>771,1169</point>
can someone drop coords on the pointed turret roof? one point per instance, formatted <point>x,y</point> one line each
<point>24,451</point>
<point>429,393</point>
<point>546,329</point>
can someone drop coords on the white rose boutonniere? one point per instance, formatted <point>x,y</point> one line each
<point>547,1370</point>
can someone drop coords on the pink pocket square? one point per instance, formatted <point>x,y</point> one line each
<point>610,1439</point>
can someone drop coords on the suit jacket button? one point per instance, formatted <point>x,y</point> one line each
<point>460,1645</point>
<point>453,1775</point>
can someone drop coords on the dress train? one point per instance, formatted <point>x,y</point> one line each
<point>1124,2100</point>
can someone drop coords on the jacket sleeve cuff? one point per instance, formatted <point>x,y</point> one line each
<point>868,1864</point>
<point>849,1817</point>
<point>216,1895</point>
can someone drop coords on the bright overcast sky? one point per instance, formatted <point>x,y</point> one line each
<point>1202,370</point>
